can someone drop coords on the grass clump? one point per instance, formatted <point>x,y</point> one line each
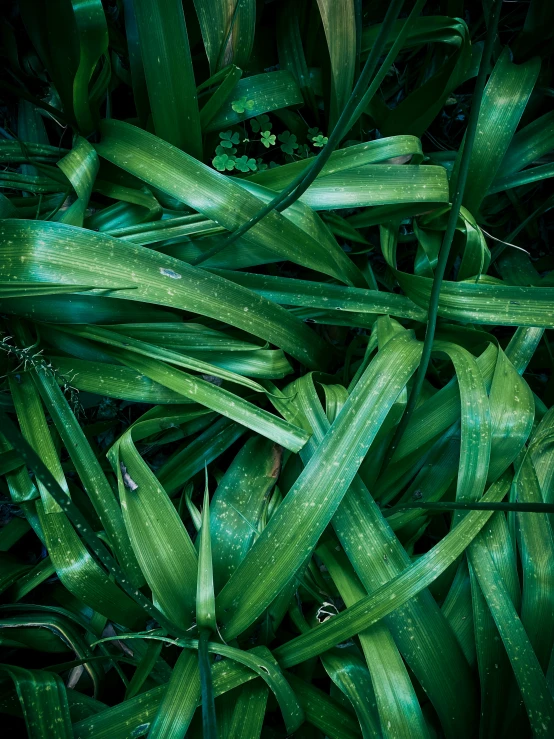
<point>276,424</point>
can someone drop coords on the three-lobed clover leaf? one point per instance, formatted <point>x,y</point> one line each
<point>268,139</point>
<point>222,162</point>
<point>316,137</point>
<point>261,123</point>
<point>261,165</point>
<point>244,164</point>
<point>242,105</point>
<point>228,138</point>
<point>288,144</point>
<point>222,150</point>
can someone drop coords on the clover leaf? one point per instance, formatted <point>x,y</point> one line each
<point>268,139</point>
<point>288,142</point>
<point>319,140</point>
<point>228,138</point>
<point>222,150</point>
<point>223,162</point>
<point>313,132</point>
<point>261,122</point>
<point>244,164</point>
<point>242,105</point>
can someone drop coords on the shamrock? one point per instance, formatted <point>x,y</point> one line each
<point>228,138</point>
<point>223,162</point>
<point>222,150</point>
<point>242,105</point>
<point>244,164</point>
<point>289,142</point>
<point>260,122</point>
<point>261,165</point>
<point>313,132</point>
<point>268,139</point>
<point>316,137</point>
<point>304,151</point>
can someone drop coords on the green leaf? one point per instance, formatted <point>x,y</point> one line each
<point>324,295</point>
<point>179,702</point>
<point>138,712</point>
<point>242,105</point>
<point>239,503</point>
<point>317,493</point>
<point>159,279</point>
<point>150,519</point>
<point>378,184</point>
<point>291,50</point>
<point>25,289</point>
<point>504,101</point>
<point>80,167</point>
<point>244,164</point>
<point>144,668</point>
<point>219,197</point>
<point>165,52</point>
<point>138,79</point>
<point>228,138</point>
<point>319,141</point>
<point>218,99</point>
<point>537,547</point>
<point>289,142</point>
<point>351,157</point>
<point>75,567</point>
<point>363,533</point>
<point>227,30</point>
<point>205,599</point>
<point>89,470</point>
<point>115,381</point>
<point>395,592</point>
<point>93,43</point>
<point>268,91</point>
<point>167,316</point>
<point>218,399</point>
<point>44,702</point>
<point>268,139</point>
<point>484,303</point>
<point>223,163</point>
<point>340,31</point>
<point>326,714</point>
<point>128,343</point>
<point>249,711</point>
<point>527,670</point>
<point>415,113</point>
<point>190,459</point>
<point>529,144</point>
<point>399,711</point>
<point>261,123</point>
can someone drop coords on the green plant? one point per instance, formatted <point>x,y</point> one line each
<point>276,398</point>
<point>229,139</point>
<point>288,144</point>
<point>268,139</point>
<point>317,138</point>
<point>261,122</point>
<point>244,164</point>
<point>242,105</point>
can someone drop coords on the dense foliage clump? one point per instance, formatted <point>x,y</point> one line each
<point>276,398</point>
